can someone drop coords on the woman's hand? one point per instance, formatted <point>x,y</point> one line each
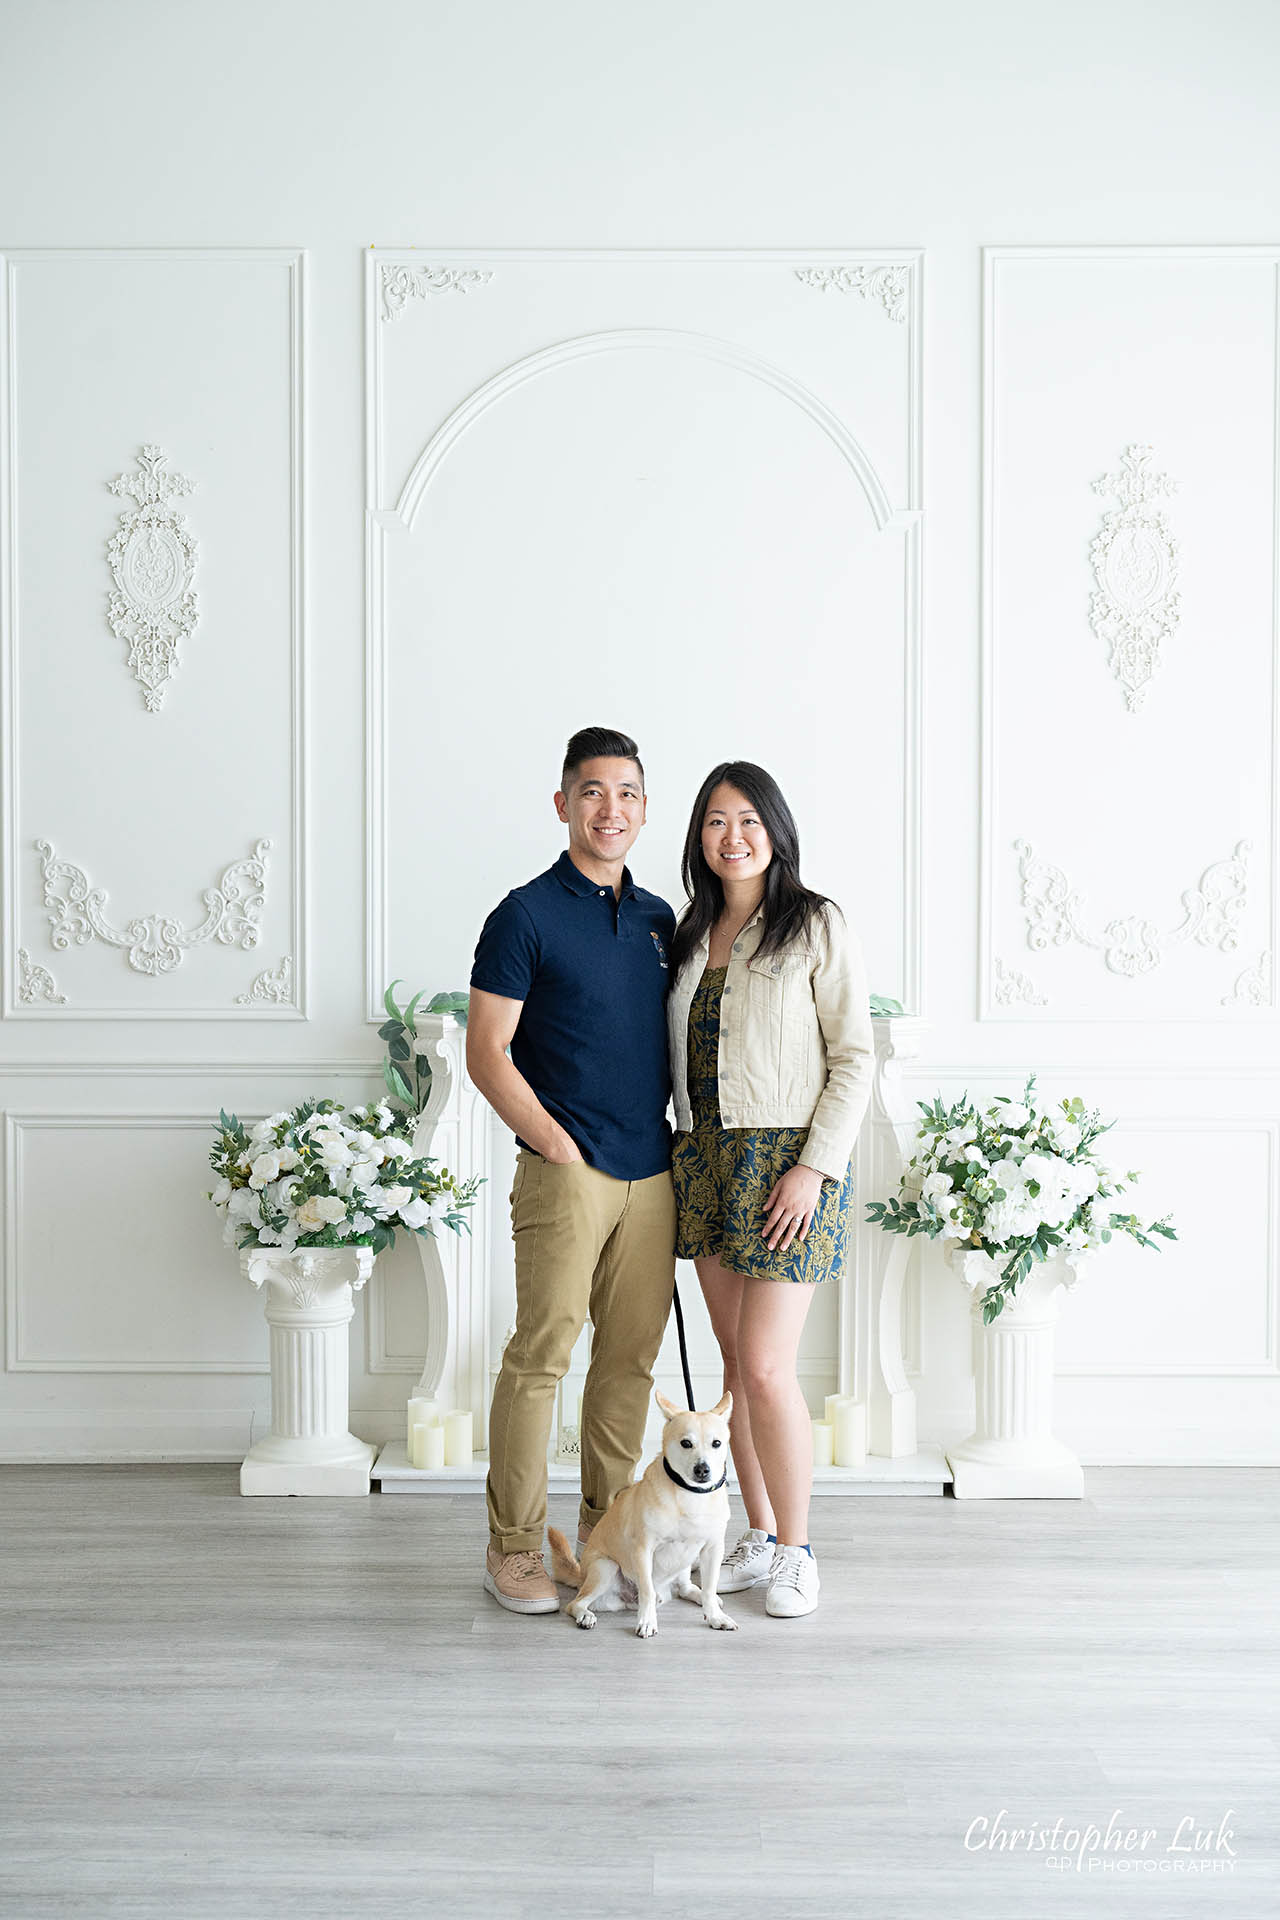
<point>789,1208</point>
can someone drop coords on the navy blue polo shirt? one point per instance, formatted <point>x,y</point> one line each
<point>592,1035</point>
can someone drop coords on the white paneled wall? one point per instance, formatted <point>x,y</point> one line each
<point>767,385</point>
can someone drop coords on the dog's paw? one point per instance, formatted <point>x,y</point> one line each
<point>721,1620</point>
<point>646,1628</point>
<point>586,1618</point>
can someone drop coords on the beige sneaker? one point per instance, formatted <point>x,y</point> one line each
<point>519,1581</point>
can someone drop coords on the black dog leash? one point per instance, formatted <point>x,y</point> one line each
<point>684,1355</point>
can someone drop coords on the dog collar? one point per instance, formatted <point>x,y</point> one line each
<point>685,1484</point>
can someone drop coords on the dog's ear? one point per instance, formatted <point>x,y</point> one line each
<point>669,1411</point>
<point>724,1407</point>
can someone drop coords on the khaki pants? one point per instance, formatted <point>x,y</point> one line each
<point>584,1243</point>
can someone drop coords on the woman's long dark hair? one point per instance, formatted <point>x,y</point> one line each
<point>789,907</point>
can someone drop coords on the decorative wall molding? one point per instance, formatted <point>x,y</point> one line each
<point>1253,986</point>
<point>36,983</point>
<point>1013,988</point>
<point>1132,945</point>
<point>272,987</point>
<point>278,288</point>
<point>156,942</point>
<point>1018,282</point>
<point>401,284</point>
<point>153,561</point>
<point>1135,563</point>
<point>19,1280</point>
<point>888,285</point>
<point>389,513</point>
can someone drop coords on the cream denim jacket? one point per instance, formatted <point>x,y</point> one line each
<point>797,1047</point>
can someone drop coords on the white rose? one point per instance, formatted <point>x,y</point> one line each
<point>243,1205</point>
<point>319,1211</point>
<point>364,1174</point>
<point>333,1149</point>
<point>1012,1114</point>
<point>362,1223</point>
<point>288,1158</point>
<point>264,1170</point>
<point>393,1198</point>
<point>935,1184</point>
<point>222,1192</point>
<point>367,1145</point>
<point>385,1115</point>
<point>440,1206</point>
<point>416,1214</point>
<point>396,1149</point>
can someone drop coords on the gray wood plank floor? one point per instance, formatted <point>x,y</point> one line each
<point>220,1707</point>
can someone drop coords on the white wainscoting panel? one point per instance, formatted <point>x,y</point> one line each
<point>678,494</point>
<point>154,860</point>
<point>1130,501</point>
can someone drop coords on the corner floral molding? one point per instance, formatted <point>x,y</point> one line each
<point>1253,987</point>
<point>274,987</point>
<point>36,983</point>
<point>1013,988</point>
<point>1135,563</point>
<point>401,284</point>
<point>1132,945</point>
<point>888,285</point>
<point>156,942</point>
<point>153,560</point>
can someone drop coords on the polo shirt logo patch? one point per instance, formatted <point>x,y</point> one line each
<point>662,952</point>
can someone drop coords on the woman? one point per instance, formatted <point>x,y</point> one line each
<point>772,1056</point>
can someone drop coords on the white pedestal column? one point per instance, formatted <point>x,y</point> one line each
<point>309,1304</point>
<point>1012,1454</point>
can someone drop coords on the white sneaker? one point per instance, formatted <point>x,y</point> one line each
<point>748,1564</point>
<point>793,1584</point>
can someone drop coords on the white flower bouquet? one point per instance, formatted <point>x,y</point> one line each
<point>1010,1186</point>
<point>323,1176</point>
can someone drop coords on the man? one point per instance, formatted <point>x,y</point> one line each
<point>571,971</point>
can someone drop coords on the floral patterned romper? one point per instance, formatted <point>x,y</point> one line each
<point>723,1176</point>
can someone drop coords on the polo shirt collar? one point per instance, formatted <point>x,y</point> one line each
<point>577,882</point>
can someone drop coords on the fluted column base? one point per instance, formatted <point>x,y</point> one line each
<point>1012,1453</point>
<point>309,1304</point>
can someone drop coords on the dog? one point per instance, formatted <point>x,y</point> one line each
<point>655,1530</point>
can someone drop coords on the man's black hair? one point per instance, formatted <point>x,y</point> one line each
<point>598,743</point>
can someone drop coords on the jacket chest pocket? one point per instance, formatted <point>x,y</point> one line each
<point>781,1005</point>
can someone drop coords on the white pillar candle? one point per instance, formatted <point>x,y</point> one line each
<point>822,1443</point>
<point>432,1447</point>
<point>849,1433</point>
<point>829,1405</point>
<point>417,1437</point>
<point>458,1447</point>
<point>421,1413</point>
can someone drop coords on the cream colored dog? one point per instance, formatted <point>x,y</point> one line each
<point>656,1529</point>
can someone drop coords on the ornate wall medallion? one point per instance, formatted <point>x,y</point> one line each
<point>1135,563</point>
<point>36,983</point>
<point>273,987</point>
<point>153,561</point>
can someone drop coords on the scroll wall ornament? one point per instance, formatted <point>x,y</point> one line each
<point>36,983</point>
<point>401,284</point>
<point>888,285</point>
<point>1135,563</point>
<point>156,942</point>
<point>1133,946</point>
<point>1253,987</point>
<point>274,986</point>
<point>153,560</point>
<point>1013,988</point>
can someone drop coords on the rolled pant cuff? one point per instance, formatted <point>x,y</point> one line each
<point>525,1542</point>
<point>589,1516</point>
